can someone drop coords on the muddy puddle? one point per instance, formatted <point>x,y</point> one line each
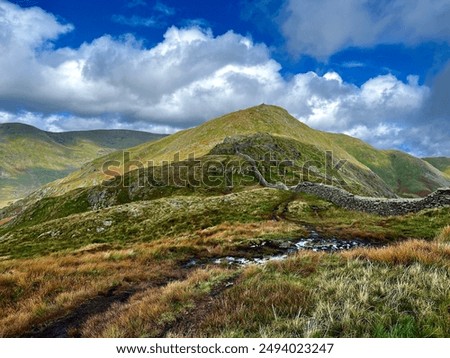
<point>280,250</point>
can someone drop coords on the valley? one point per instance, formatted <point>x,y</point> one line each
<point>30,158</point>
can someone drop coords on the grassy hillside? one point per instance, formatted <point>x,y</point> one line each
<point>395,171</point>
<point>30,158</point>
<point>150,253</point>
<point>441,163</point>
<point>150,269</point>
<point>404,174</point>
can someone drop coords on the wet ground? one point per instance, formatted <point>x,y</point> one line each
<point>280,250</point>
<point>257,253</point>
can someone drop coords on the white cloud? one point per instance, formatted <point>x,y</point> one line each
<point>321,28</point>
<point>189,77</point>
<point>164,9</point>
<point>136,21</point>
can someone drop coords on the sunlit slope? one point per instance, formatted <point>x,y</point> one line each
<point>200,140</point>
<point>403,173</point>
<point>441,163</point>
<point>30,158</point>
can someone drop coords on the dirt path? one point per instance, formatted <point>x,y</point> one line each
<point>186,326</point>
<point>70,324</point>
<point>6,220</point>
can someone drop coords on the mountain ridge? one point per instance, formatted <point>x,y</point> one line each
<point>31,157</point>
<point>277,122</point>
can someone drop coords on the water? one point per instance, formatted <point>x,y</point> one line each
<point>282,250</point>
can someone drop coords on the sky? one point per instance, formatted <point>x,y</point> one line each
<point>378,70</point>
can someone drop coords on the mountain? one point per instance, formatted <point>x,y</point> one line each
<point>441,163</point>
<point>30,157</point>
<point>204,247</point>
<point>405,174</point>
<point>368,171</point>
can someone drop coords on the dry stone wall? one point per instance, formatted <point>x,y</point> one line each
<point>438,199</point>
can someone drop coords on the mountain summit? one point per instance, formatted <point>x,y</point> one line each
<point>369,171</point>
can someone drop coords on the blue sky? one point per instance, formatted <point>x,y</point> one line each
<point>377,70</point>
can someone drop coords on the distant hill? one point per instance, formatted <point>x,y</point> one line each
<point>30,157</point>
<point>369,171</point>
<point>405,174</point>
<point>265,134</point>
<point>441,163</point>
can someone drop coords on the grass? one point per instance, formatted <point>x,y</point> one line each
<point>141,222</point>
<point>34,291</point>
<point>151,312</point>
<point>333,220</point>
<point>441,163</point>
<point>368,293</point>
<point>403,173</point>
<point>31,158</point>
<point>279,123</point>
<point>181,216</point>
<point>49,269</point>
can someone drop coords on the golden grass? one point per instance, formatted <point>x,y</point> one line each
<point>34,291</point>
<point>263,294</point>
<point>224,239</point>
<point>405,253</point>
<point>444,235</point>
<point>231,231</point>
<point>150,313</point>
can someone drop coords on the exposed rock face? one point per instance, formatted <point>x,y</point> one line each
<point>440,198</point>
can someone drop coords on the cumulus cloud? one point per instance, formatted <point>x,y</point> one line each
<point>321,28</point>
<point>189,77</point>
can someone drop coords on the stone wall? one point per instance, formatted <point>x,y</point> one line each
<point>381,206</point>
<point>440,198</point>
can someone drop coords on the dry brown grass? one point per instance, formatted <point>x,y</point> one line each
<point>405,253</point>
<point>274,292</point>
<point>232,231</point>
<point>34,291</point>
<point>224,239</point>
<point>444,235</point>
<point>150,313</point>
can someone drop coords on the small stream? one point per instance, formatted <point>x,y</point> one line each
<point>280,250</point>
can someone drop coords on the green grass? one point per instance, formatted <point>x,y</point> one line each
<point>31,158</point>
<point>334,220</point>
<point>403,173</point>
<point>365,163</point>
<point>313,295</point>
<point>441,163</point>
<point>180,215</point>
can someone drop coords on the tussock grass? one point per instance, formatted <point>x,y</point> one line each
<point>392,292</point>
<point>405,253</point>
<point>263,295</point>
<point>401,290</point>
<point>444,235</point>
<point>34,291</point>
<point>151,312</point>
